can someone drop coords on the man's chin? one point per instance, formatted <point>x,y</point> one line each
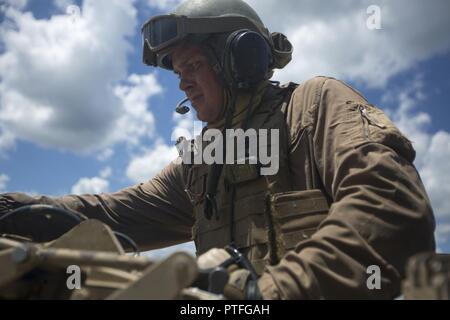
<point>201,115</point>
<point>202,118</point>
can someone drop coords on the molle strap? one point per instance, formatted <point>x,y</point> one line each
<point>272,234</point>
<point>297,215</point>
<point>240,173</point>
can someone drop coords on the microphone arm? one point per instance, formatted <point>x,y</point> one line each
<point>181,108</point>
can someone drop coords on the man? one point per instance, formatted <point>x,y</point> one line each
<point>346,195</point>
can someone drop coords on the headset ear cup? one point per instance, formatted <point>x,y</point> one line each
<point>227,58</point>
<point>215,61</point>
<point>247,58</point>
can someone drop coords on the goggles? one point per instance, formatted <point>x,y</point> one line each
<point>162,32</point>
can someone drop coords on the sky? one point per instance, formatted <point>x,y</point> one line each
<point>80,113</point>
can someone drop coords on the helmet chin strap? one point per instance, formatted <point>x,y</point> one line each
<point>219,122</point>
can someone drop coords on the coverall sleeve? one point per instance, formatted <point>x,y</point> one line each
<point>154,214</point>
<point>380,213</point>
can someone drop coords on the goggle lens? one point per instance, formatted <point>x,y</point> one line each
<point>160,31</point>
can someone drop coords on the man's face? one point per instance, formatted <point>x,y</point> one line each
<point>199,81</point>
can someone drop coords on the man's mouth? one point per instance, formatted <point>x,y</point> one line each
<point>196,98</point>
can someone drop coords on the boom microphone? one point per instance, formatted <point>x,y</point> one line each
<point>181,108</point>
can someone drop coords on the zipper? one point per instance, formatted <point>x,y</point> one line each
<point>362,110</point>
<point>370,121</point>
<point>369,118</point>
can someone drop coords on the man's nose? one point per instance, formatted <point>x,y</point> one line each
<point>186,84</point>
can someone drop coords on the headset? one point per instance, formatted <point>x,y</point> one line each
<point>248,51</point>
<point>246,60</point>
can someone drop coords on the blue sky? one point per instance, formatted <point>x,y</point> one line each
<point>80,113</point>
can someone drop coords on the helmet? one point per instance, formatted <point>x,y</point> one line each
<point>217,8</point>
<point>241,48</point>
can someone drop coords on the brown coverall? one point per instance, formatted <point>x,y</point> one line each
<point>379,211</point>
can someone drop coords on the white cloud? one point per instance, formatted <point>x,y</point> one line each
<point>3,182</point>
<point>408,115</point>
<point>18,4</point>
<point>63,4</point>
<point>442,236</point>
<point>136,121</point>
<point>95,185</point>
<point>106,173</point>
<point>6,141</point>
<point>435,171</point>
<point>433,150</point>
<point>152,161</point>
<point>144,167</point>
<point>104,155</point>
<point>65,91</point>
<point>186,126</point>
<point>331,37</point>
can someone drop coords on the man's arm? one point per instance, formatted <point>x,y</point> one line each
<point>380,215</point>
<point>155,214</point>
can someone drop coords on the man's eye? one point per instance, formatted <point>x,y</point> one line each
<point>197,65</point>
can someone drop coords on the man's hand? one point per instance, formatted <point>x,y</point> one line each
<point>213,258</point>
<point>236,287</point>
<point>240,285</point>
